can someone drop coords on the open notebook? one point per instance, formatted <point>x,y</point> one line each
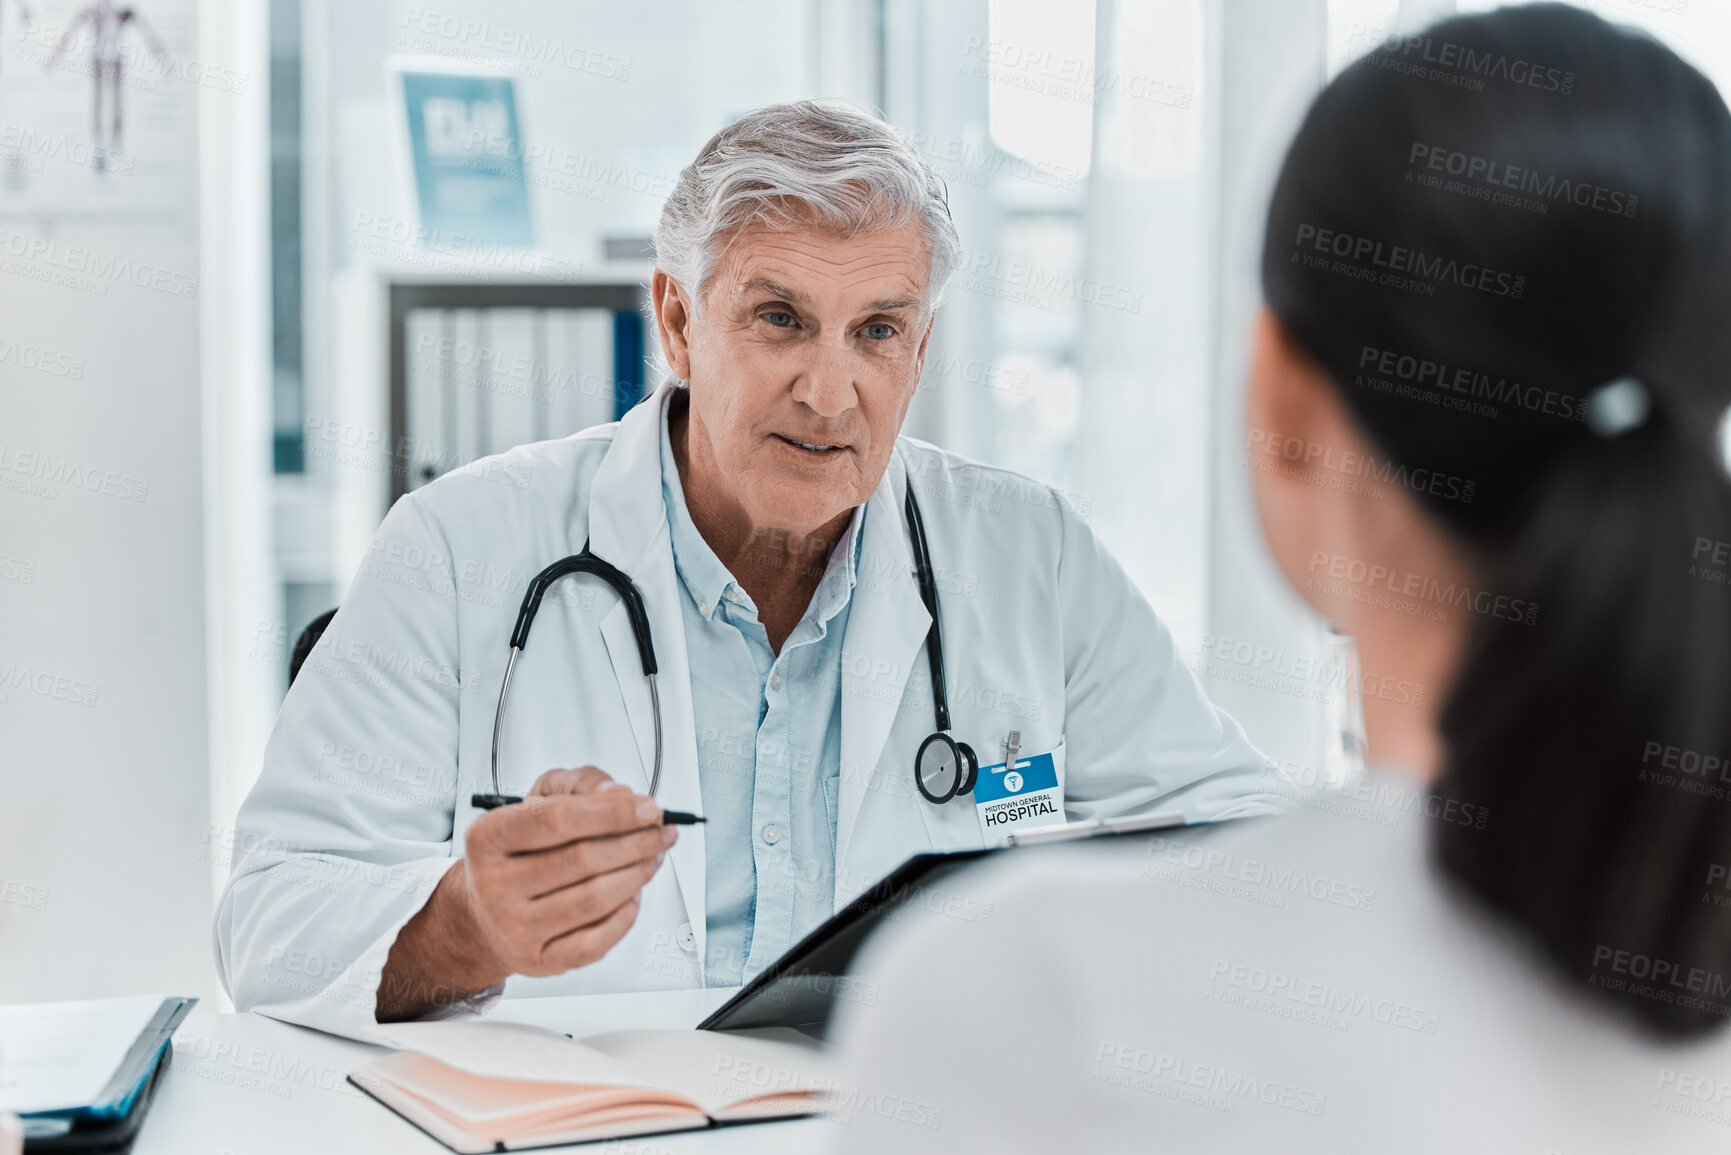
<point>491,1086</point>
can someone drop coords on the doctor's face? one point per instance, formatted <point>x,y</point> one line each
<point>802,364</point>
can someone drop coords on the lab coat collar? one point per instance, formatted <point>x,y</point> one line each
<point>705,577</point>
<point>627,526</point>
<point>626,514</point>
<point>886,633</point>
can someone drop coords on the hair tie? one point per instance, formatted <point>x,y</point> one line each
<point>1618,406</point>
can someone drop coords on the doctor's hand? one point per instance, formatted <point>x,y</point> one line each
<point>553,881</point>
<point>545,885</point>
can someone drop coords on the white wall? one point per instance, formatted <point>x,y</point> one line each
<point>1141,452</point>
<point>103,748</point>
<point>1271,56</point>
<point>244,656</point>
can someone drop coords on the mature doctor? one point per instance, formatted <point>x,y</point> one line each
<point>760,505</point>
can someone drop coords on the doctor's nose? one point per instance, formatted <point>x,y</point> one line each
<point>825,383</point>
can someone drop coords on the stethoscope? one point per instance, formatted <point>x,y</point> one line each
<point>943,768</point>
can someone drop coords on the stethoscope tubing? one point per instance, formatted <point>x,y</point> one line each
<point>586,562</point>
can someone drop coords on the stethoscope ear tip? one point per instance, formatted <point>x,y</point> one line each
<point>492,801</point>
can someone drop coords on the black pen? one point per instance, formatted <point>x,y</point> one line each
<point>668,817</point>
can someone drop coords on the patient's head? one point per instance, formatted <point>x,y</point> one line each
<point>1484,412</point>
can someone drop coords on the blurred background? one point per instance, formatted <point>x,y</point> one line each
<point>267,265</point>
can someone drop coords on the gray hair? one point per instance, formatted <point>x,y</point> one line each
<point>836,161</point>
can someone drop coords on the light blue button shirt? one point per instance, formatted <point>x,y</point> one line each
<point>768,746</point>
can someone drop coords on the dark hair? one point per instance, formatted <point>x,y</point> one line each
<point>1535,203</point>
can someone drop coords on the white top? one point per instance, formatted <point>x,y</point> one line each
<point>1298,984</point>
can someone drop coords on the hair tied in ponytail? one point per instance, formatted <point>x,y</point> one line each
<point>1618,406</point>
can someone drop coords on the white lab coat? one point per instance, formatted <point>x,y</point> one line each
<point>364,797</point>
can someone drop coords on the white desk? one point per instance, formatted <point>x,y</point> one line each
<point>248,1085</point>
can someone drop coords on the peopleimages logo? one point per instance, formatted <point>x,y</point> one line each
<point>43,474</point>
<point>1036,69</point>
<point>93,269</point>
<point>1665,980</point>
<point>1401,267</point>
<point>1406,584</point>
<point>1308,456</point>
<point>504,39</point>
<point>42,360</point>
<point>17,140</point>
<point>1207,1083</point>
<point>1492,180</point>
<point>1471,385</point>
<point>1468,67</point>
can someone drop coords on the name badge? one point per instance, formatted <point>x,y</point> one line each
<point>1019,798</point>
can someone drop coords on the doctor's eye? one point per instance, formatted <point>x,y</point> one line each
<point>879,330</point>
<point>780,318</point>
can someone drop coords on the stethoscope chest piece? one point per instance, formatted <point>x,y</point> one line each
<point>945,768</point>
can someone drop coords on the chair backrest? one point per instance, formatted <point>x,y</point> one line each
<point>308,639</point>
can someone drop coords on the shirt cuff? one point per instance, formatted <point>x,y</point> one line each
<point>478,1005</point>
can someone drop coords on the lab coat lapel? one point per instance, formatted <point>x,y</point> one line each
<point>886,632</point>
<point>628,527</point>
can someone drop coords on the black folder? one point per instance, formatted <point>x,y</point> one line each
<point>112,1122</point>
<point>803,987</point>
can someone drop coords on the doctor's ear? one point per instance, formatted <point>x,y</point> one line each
<point>673,321</point>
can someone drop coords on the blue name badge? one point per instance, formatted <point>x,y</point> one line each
<point>1015,799</point>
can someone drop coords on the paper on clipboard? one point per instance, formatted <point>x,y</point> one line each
<point>60,1056</point>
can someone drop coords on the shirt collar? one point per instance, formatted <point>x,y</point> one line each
<point>840,576</point>
<point>708,581</point>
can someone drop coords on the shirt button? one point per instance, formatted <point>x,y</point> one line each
<point>703,608</point>
<point>775,680</point>
<point>771,835</point>
<point>683,938</point>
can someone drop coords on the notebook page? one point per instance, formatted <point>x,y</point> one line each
<point>715,1069</point>
<point>503,1108</point>
<point>462,1139</point>
<point>501,1050</point>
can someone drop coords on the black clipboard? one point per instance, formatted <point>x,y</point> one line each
<point>801,989</point>
<point>112,1121</point>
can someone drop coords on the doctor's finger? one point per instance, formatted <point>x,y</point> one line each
<point>574,907</point>
<point>587,944</point>
<point>546,871</point>
<point>580,907</point>
<point>545,821</point>
<point>582,780</point>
